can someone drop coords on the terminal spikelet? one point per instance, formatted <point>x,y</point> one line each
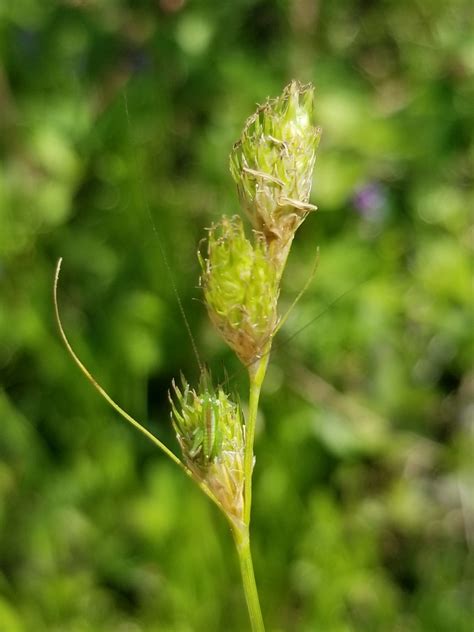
<point>273,162</point>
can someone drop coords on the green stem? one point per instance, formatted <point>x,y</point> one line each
<point>242,542</point>
<point>241,533</point>
<point>257,374</point>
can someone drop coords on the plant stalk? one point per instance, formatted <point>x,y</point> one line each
<point>257,375</point>
<point>242,542</point>
<point>242,534</point>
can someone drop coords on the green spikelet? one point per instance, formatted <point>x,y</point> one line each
<point>273,161</point>
<point>210,430</point>
<point>240,288</point>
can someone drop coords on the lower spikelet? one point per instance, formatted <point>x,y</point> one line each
<point>210,430</point>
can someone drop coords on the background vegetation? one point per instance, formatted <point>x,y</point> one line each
<point>116,122</point>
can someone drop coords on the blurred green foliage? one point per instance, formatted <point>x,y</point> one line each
<point>116,120</point>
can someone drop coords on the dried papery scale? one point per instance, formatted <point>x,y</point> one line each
<point>240,285</point>
<point>210,430</point>
<point>272,164</point>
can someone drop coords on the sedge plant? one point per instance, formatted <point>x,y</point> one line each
<point>272,164</point>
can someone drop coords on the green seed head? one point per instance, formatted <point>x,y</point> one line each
<point>209,427</point>
<point>240,288</point>
<point>273,161</point>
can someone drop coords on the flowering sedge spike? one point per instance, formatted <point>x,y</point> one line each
<point>210,430</point>
<point>240,288</point>
<point>273,161</point>
<point>272,164</point>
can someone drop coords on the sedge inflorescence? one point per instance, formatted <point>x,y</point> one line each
<point>209,427</point>
<point>272,164</point>
<point>273,161</point>
<point>240,287</point>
